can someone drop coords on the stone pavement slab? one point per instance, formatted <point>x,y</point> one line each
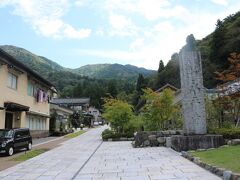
<point>62,162</point>
<point>118,160</point>
<point>87,158</point>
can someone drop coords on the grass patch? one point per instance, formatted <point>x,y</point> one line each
<point>73,135</point>
<point>29,154</point>
<point>224,157</point>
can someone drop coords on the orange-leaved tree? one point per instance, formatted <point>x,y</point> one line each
<point>229,90</point>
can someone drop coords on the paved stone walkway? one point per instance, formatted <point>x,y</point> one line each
<point>86,157</point>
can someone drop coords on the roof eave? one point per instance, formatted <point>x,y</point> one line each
<point>10,60</point>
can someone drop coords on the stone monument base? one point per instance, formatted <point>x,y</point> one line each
<point>194,142</point>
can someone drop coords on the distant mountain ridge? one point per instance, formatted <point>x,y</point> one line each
<point>112,71</point>
<point>39,64</point>
<point>44,66</point>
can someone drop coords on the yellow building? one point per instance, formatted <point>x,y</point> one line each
<point>24,97</point>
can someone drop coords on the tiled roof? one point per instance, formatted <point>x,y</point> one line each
<point>167,86</point>
<point>230,89</point>
<point>69,101</point>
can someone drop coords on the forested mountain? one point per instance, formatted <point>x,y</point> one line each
<point>44,66</point>
<point>215,49</point>
<point>112,71</point>
<point>94,81</point>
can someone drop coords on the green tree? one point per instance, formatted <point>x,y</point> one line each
<point>213,113</point>
<point>118,113</point>
<point>170,74</point>
<point>76,119</point>
<point>140,83</point>
<point>123,96</point>
<point>217,42</point>
<point>112,88</point>
<point>67,91</point>
<point>158,110</point>
<point>161,66</point>
<point>135,124</point>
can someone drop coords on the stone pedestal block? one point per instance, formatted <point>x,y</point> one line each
<point>168,142</point>
<point>194,142</point>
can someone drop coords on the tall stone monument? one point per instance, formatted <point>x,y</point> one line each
<point>193,105</point>
<point>192,89</point>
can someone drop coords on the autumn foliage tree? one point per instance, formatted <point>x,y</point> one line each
<point>233,72</point>
<point>228,96</point>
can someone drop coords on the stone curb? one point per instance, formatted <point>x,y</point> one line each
<point>221,172</point>
<point>45,142</point>
<point>119,139</point>
<point>58,138</point>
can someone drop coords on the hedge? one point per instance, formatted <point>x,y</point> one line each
<point>228,133</point>
<point>109,134</point>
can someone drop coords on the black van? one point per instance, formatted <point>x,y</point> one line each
<point>15,139</point>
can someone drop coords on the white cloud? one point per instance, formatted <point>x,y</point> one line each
<point>220,2</point>
<point>45,17</point>
<point>119,21</point>
<point>70,32</point>
<point>48,28</point>
<point>151,29</point>
<point>121,12</point>
<point>166,34</point>
<point>160,39</point>
<point>121,25</point>
<point>5,2</point>
<point>149,9</point>
<point>81,3</point>
<point>125,57</point>
<point>136,44</point>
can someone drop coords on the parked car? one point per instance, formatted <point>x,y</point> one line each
<point>96,123</point>
<point>15,139</point>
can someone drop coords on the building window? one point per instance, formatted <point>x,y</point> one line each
<point>12,81</point>
<point>36,122</point>
<point>30,89</point>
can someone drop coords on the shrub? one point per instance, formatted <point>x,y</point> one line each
<point>107,131</point>
<point>109,134</point>
<point>228,133</point>
<point>134,125</point>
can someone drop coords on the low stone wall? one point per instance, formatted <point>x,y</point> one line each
<point>193,142</point>
<point>233,142</point>
<point>154,138</point>
<point>176,140</point>
<point>39,133</point>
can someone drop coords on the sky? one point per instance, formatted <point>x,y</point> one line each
<point>138,32</point>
